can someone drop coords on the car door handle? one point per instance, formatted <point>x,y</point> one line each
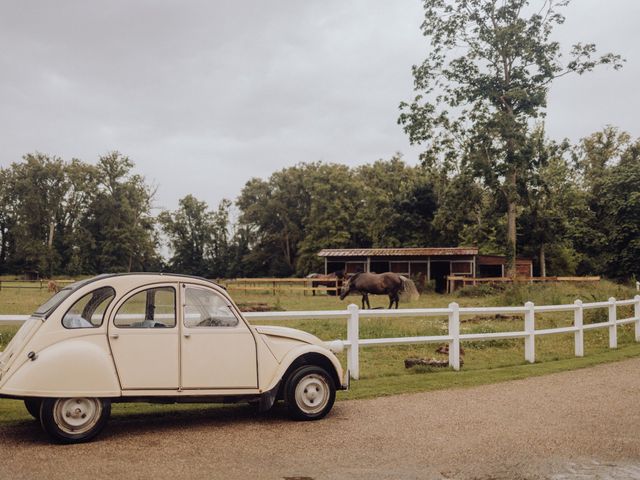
<point>114,335</point>
<point>187,335</point>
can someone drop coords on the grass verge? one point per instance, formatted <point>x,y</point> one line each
<point>430,381</point>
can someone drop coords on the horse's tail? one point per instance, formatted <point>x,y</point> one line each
<point>409,291</point>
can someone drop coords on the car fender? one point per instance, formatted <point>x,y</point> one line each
<point>77,367</point>
<point>306,354</point>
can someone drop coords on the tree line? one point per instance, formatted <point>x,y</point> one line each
<point>579,213</point>
<point>72,217</point>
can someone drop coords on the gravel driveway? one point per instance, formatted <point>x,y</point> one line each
<point>583,424</point>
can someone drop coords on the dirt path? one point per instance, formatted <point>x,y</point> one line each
<point>575,425</point>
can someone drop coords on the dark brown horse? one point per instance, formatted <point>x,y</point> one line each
<point>388,283</point>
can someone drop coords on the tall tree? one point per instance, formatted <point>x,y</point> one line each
<point>7,220</point>
<point>38,186</point>
<point>466,213</point>
<point>220,243</point>
<point>608,238</point>
<point>551,199</point>
<point>484,81</point>
<point>619,203</point>
<point>190,231</point>
<point>275,212</point>
<point>73,241</point>
<point>599,151</point>
<point>335,217</point>
<point>399,203</point>
<point>119,218</point>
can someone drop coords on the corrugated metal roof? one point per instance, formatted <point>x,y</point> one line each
<point>396,252</point>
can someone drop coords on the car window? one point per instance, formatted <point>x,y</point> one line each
<point>204,308</point>
<point>88,312</point>
<point>152,308</point>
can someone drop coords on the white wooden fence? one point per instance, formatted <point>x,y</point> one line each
<point>453,337</point>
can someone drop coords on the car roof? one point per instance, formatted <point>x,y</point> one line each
<point>162,274</point>
<point>51,307</point>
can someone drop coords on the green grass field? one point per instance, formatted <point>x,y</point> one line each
<point>382,368</point>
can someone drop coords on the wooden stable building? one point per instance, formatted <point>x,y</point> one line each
<point>421,264</point>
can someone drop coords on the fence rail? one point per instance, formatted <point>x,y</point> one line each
<point>281,285</point>
<point>453,312</point>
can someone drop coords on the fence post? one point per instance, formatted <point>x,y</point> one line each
<point>636,314</point>
<point>578,322</point>
<point>454,332</point>
<point>613,329</point>
<point>353,355</point>
<point>530,329</point>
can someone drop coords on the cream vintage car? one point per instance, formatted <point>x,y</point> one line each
<point>162,338</point>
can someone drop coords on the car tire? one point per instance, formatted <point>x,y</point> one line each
<point>74,420</point>
<point>309,393</point>
<point>33,407</point>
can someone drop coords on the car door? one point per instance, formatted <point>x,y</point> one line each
<point>143,335</point>
<point>218,350</point>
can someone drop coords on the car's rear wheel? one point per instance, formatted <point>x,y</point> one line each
<point>74,420</point>
<point>309,393</point>
<point>33,407</point>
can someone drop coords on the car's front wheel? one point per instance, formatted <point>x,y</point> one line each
<point>309,393</point>
<point>74,420</point>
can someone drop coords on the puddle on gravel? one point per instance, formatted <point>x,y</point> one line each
<point>594,470</point>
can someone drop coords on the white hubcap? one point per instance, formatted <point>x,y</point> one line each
<point>77,415</point>
<point>312,393</point>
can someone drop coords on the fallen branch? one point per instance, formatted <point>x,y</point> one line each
<point>428,362</point>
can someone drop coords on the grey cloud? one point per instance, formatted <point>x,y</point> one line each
<point>204,95</point>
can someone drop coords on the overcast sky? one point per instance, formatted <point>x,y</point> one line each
<point>204,95</point>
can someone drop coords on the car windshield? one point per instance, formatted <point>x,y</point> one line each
<point>47,307</point>
<point>52,302</point>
